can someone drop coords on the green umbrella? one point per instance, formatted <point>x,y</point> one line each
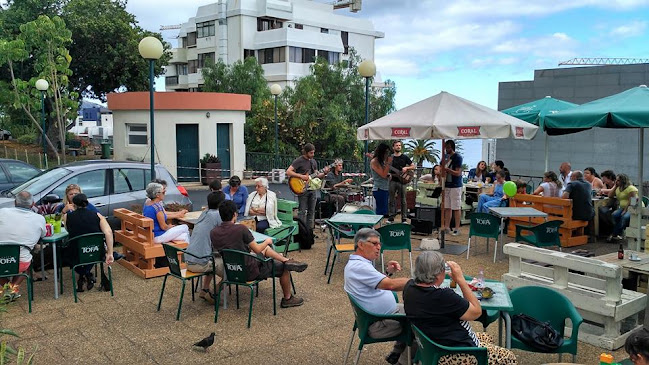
<point>628,109</point>
<point>535,112</point>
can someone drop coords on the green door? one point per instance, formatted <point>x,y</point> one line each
<point>223,147</point>
<point>187,152</point>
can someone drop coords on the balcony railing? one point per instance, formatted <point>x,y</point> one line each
<point>171,80</point>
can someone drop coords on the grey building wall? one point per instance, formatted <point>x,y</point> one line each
<point>615,149</point>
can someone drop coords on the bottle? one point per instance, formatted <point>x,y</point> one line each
<point>620,252</point>
<point>605,359</point>
<point>481,279</point>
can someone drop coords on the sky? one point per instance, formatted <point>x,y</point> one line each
<point>466,47</point>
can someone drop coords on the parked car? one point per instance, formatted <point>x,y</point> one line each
<point>14,173</point>
<point>108,184</point>
<point>5,134</point>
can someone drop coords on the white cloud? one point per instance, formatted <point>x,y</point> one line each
<point>633,29</point>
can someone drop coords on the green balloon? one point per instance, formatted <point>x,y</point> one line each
<point>509,188</point>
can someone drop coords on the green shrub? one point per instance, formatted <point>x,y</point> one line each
<point>27,139</point>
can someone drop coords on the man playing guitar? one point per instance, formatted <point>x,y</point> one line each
<point>334,181</point>
<point>302,167</point>
<point>401,164</point>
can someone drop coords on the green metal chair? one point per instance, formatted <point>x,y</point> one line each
<point>396,236</point>
<point>285,215</point>
<point>484,225</point>
<point>174,255</point>
<point>236,273</point>
<point>90,249</point>
<point>335,234</point>
<point>429,352</point>
<point>362,321</point>
<point>9,267</point>
<point>283,239</point>
<point>554,308</point>
<point>543,235</point>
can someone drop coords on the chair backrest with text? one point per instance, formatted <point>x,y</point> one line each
<point>89,248</point>
<point>171,253</point>
<point>9,258</point>
<point>484,225</point>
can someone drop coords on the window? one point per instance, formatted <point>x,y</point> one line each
<point>324,54</point>
<point>301,55</point>
<point>203,57</point>
<point>183,42</point>
<point>205,29</point>
<point>308,55</point>
<point>191,39</point>
<point>271,55</point>
<point>19,172</point>
<point>181,69</point>
<point>128,180</point>
<point>136,134</point>
<point>345,38</point>
<point>248,53</point>
<point>324,30</point>
<point>192,66</point>
<point>171,80</point>
<point>91,183</point>
<point>299,26</point>
<point>268,24</point>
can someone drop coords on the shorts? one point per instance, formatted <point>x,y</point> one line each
<point>207,267</point>
<point>24,265</point>
<point>453,198</point>
<point>265,269</point>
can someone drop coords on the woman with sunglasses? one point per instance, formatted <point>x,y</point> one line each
<point>238,194</point>
<point>154,209</point>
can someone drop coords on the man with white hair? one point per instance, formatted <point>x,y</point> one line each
<point>20,225</point>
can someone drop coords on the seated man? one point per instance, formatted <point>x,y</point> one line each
<point>21,225</point>
<point>238,237</point>
<point>200,244</point>
<point>334,180</point>
<point>495,198</point>
<point>580,192</point>
<point>373,290</point>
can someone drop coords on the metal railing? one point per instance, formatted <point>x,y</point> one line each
<point>259,161</point>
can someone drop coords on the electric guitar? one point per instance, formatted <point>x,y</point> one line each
<point>404,177</point>
<point>299,186</point>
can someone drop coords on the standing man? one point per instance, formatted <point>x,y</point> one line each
<point>403,164</point>
<point>453,187</point>
<point>302,167</point>
<point>565,172</point>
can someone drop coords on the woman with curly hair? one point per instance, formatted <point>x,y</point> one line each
<point>550,187</point>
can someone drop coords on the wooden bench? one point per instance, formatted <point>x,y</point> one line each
<point>593,286</point>
<point>572,232</point>
<point>136,237</point>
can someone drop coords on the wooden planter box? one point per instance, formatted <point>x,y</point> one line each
<point>209,172</point>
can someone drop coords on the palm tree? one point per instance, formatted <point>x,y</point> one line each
<point>421,150</point>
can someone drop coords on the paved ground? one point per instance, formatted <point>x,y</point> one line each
<point>127,329</point>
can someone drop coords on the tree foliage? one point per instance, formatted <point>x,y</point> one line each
<point>420,150</point>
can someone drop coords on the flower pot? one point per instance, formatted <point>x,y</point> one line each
<point>209,172</point>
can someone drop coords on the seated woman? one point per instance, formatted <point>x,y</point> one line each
<point>238,194</point>
<point>82,220</point>
<point>433,178</point>
<point>155,210</point>
<point>495,198</point>
<point>550,187</point>
<point>67,205</point>
<point>479,173</point>
<point>623,192</point>
<point>262,204</point>
<point>443,315</point>
<point>608,179</point>
<point>170,215</point>
<point>590,175</point>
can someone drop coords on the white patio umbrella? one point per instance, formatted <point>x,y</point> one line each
<point>446,116</point>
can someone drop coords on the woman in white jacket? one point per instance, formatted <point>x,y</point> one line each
<point>262,205</point>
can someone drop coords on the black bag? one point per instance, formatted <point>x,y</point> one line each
<point>305,235</point>
<point>536,334</point>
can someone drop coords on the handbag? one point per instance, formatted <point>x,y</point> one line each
<point>536,334</point>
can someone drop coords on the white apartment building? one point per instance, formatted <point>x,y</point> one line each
<point>284,35</point>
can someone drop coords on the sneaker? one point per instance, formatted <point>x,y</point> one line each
<point>292,265</point>
<point>618,238</point>
<point>80,282</point>
<point>293,301</point>
<point>207,295</point>
<point>455,232</point>
<point>392,358</point>
<point>90,281</point>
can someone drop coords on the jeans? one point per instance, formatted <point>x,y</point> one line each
<point>306,207</point>
<point>620,221</point>
<point>485,201</point>
<point>381,202</point>
<point>397,187</point>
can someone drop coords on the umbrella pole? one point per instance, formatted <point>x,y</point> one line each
<point>638,241</point>
<point>442,230</point>
<point>547,150</point>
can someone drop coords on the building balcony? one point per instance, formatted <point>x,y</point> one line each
<point>178,55</point>
<point>298,38</point>
<point>171,80</point>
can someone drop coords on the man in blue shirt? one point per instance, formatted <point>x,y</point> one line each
<point>452,166</point>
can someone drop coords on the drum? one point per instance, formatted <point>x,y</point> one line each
<point>353,208</point>
<point>354,197</point>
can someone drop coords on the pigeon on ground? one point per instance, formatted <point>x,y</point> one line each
<point>205,343</point>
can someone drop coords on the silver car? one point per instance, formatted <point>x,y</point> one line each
<point>108,185</point>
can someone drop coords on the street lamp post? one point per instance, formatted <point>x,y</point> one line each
<point>275,89</point>
<point>42,85</point>
<point>367,69</point>
<point>151,49</point>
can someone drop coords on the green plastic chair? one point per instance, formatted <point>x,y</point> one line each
<point>429,352</point>
<point>9,267</point>
<point>335,234</point>
<point>236,273</point>
<point>645,201</point>
<point>543,235</point>
<point>554,308</point>
<point>362,321</point>
<point>174,255</point>
<point>396,236</point>
<point>364,211</point>
<point>90,249</point>
<point>484,225</point>
<point>283,240</point>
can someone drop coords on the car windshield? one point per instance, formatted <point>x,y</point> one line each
<point>41,181</point>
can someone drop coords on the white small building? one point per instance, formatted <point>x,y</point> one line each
<point>186,127</point>
<point>284,35</point>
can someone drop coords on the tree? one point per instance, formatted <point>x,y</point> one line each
<point>421,150</point>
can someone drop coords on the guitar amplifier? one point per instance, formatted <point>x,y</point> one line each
<point>277,176</point>
<point>427,213</point>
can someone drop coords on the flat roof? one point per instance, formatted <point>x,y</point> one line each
<point>179,101</point>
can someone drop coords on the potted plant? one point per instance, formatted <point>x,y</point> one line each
<point>210,168</point>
